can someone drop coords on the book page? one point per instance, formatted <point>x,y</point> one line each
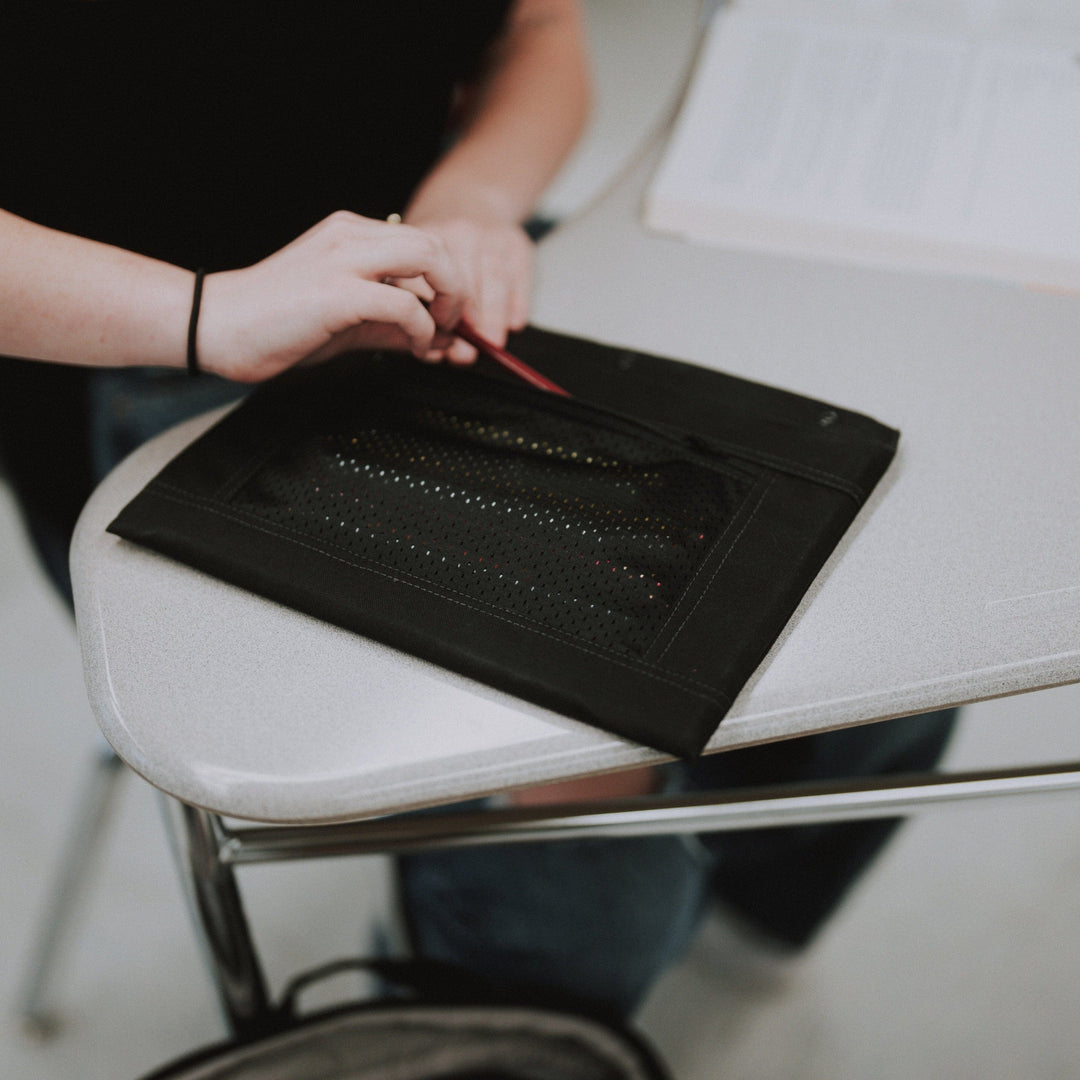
<point>1014,20</point>
<point>846,138</point>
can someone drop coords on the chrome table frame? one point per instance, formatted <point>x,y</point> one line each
<point>209,850</point>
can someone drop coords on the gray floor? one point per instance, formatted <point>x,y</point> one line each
<point>958,957</point>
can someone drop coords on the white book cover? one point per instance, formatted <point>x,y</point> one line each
<point>941,137</point>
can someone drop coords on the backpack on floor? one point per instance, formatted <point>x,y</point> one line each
<point>447,1031</point>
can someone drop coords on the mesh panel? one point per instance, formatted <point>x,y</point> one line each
<point>588,530</point>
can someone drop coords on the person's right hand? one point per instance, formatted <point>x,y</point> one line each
<point>324,294</point>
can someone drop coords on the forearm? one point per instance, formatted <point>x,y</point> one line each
<point>528,110</point>
<point>70,300</point>
<point>75,301</point>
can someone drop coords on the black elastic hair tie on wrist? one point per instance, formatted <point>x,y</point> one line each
<point>193,324</point>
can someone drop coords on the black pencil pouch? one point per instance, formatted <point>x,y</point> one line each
<point>626,556</point>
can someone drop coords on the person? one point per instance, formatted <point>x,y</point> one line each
<point>143,141</point>
<point>266,143</point>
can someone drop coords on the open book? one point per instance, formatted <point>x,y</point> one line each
<point>939,135</point>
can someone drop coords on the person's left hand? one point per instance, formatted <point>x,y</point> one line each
<point>496,261</point>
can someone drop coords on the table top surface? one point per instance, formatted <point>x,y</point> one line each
<point>959,580</point>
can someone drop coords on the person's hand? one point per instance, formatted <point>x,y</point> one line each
<point>496,259</point>
<point>327,292</point>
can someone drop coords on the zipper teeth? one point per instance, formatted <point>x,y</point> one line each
<point>703,453</point>
<point>622,424</point>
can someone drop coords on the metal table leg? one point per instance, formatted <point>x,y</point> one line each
<point>71,876</point>
<point>214,897</point>
<point>209,851</point>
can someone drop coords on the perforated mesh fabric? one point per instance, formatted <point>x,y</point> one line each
<point>579,526</point>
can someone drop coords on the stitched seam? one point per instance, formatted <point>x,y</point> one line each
<point>367,565</point>
<point>235,477</point>
<point>244,473</point>
<point>679,682</point>
<point>848,487</point>
<point>697,573</point>
<point>611,421</point>
<point>704,592</point>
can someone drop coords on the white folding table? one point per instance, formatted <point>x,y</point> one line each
<point>959,581</point>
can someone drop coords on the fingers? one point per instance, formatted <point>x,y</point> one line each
<point>501,289</point>
<point>325,293</point>
<point>493,315</point>
<point>413,258</point>
<point>400,309</point>
<point>421,258</point>
<point>488,314</point>
<point>418,286</point>
<point>505,289</point>
<point>352,282</point>
<point>373,315</point>
<point>521,293</point>
<point>417,265</point>
<point>496,261</point>
<point>444,319</point>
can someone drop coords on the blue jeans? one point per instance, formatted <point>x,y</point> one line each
<point>129,407</point>
<point>591,924</point>
<point>121,410</point>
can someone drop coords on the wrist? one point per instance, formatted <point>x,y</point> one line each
<point>144,308</point>
<point>476,201</point>
<point>215,343</point>
<point>193,367</point>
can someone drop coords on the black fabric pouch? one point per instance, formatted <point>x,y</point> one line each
<point>625,557</point>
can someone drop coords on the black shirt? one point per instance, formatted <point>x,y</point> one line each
<point>212,133</point>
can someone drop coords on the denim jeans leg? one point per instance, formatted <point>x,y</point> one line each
<point>130,406</point>
<point>66,428</point>
<point>586,924</point>
<point>787,881</point>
